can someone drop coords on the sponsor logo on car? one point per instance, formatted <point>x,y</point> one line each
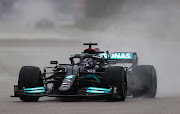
<point>118,55</point>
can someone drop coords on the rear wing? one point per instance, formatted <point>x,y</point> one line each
<point>121,57</point>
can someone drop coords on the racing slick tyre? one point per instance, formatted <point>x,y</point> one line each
<point>144,81</point>
<point>29,77</point>
<point>115,77</point>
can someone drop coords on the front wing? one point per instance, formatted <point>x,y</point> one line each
<point>42,91</point>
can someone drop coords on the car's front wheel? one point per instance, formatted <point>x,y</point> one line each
<point>115,77</point>
<point>29,77</point>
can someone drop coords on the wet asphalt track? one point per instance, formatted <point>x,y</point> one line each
<point>15,54</point>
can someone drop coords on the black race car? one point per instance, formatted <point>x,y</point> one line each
<point>93,73</point>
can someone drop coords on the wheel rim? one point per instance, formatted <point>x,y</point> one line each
<point>154,82</point>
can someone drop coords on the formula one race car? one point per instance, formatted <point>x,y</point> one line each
<point>93,73</point>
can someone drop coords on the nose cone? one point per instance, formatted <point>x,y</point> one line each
<point>64,88</point>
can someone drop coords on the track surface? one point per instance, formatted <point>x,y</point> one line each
<point>14,56</point>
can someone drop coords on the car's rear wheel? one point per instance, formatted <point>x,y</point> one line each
<point>115,77</point>
<point>144,81</point>
<point>29,77</point>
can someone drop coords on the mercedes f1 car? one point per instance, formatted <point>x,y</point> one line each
<point>93,73</point>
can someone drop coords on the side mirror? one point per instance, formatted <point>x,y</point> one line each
<point>54,62</point>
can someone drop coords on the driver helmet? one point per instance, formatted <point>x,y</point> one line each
<point>88,62</point>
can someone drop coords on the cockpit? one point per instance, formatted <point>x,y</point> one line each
<point>87,61</point>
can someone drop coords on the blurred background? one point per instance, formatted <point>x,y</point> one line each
<point>157,19</point>
<point>33,32</point>
<point>28,13</point>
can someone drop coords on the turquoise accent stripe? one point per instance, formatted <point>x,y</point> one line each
<point>70,76</point>
<point>97,90</point>
<point>93,76</point>
<point>37,91</point>
<point>36,88</point>
<point>100,89</point>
